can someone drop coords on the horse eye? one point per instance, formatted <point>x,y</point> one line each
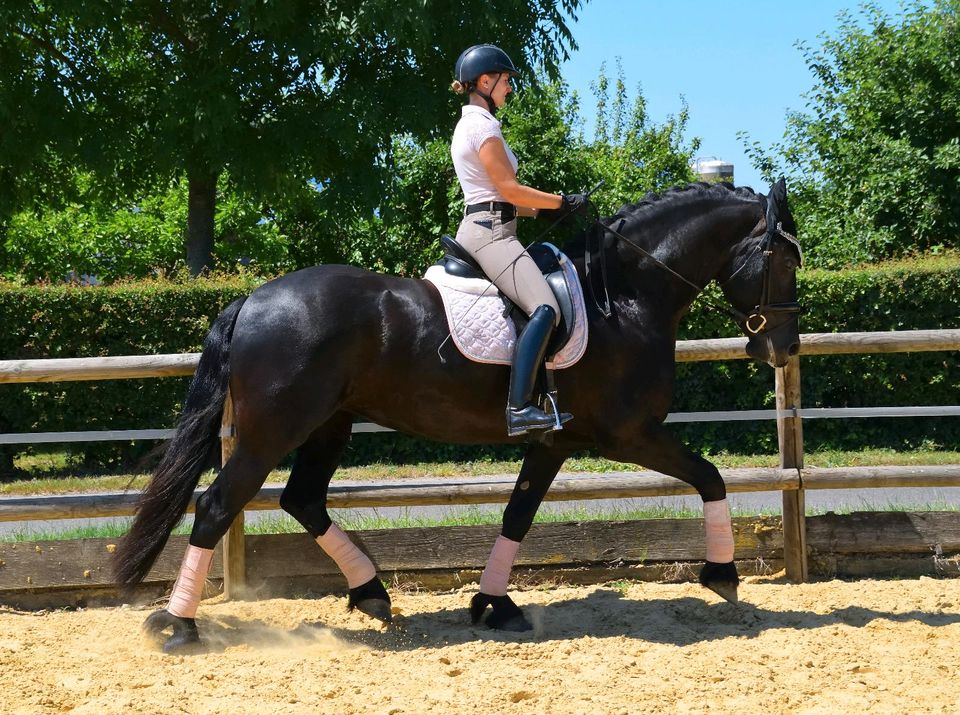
<point>791,264</point>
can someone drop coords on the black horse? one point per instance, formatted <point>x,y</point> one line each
<point>307,353</point>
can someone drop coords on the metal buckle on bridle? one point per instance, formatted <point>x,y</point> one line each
<point>754,330</point>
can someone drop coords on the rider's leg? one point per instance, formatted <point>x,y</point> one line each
<point>494,245</point>
<point>522,414</point>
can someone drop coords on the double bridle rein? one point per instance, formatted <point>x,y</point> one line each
<point>755,323</point>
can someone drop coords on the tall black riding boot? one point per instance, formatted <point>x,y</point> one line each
<point>522,414</point>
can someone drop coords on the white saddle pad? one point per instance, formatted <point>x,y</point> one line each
<point>479,328</point>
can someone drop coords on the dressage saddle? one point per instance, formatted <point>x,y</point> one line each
<point>457,261</point>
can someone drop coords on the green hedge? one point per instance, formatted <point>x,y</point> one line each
<point>156,317</point>
<point>142,318</point>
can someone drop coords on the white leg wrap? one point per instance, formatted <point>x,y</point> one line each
<point>496,576</point>
<point>189,586</point>
<point>355,564</point>
<point>716,517</point>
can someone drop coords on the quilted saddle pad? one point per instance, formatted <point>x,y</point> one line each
<point>480,330</point>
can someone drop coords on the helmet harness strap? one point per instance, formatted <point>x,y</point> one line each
<point>486,97</point>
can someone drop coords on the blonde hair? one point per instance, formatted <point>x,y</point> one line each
<point>460,87</point>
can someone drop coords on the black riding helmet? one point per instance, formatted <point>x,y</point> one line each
<point>483,59</point>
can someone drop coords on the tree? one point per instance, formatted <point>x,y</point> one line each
<point>269,94</point>
<point>874,162</point>
<point>420,199</point>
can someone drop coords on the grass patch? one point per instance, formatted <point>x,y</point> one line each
<point>357,520</point>
<point>107,530</point>
<point>39,482</point>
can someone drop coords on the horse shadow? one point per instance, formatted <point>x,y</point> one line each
<point>604,613</point>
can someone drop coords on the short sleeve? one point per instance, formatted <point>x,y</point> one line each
<point>481,132</point>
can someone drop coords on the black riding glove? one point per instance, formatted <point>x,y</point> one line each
<point>575,204</point>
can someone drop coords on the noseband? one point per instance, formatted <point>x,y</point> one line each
<point>756,322</point>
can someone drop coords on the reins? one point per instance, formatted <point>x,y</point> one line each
<point>759,310</point>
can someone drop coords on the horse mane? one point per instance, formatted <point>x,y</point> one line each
<point>653,204</point>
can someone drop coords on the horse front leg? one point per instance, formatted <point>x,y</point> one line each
<point>657,448</point>
<point>540,466</point>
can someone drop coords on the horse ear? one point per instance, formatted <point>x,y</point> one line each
<point>773,208</point>
<point>775,201</point>
<point>780,191</point>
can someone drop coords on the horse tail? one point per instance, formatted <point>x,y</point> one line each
<point>190,452</point>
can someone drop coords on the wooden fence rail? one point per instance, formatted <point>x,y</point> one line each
<point>462,492</point>
<point>130,367</point>
<point>792,478</point>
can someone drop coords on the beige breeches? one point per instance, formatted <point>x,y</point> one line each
<point>494,245</point>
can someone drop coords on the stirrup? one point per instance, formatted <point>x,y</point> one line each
<point>532,419</point>
<point>559,417</point>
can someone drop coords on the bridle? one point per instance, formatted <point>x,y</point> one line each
<point>756,322</point>
<point>763,306</point>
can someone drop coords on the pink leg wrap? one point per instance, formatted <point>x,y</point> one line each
<point>494,579</point>
<point>189,586</point>
<point>355,564</point>
<point>716,517</point>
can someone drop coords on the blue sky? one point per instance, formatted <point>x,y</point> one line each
<point>735,63</point>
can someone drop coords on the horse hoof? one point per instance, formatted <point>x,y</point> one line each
<point>183,631</point>
<point>727,591</point>
<point>506,615</point>
<point>722,579</point>
<point>376,608</point>
<point>514,624</point>
<point>371,598</point>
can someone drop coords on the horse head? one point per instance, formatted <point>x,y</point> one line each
<point>762,287</point>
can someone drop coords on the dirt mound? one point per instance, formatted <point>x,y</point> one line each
<point>870,646</point>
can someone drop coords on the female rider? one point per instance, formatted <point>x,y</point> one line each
<point>487,171</point>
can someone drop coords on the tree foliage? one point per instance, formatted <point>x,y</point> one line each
<point>145,92</point>
<point>874,162</point>
<point>307,225</point>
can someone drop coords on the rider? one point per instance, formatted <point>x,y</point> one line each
<point>487,171</point>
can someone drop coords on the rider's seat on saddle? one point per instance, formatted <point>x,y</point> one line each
<point>457,261</point>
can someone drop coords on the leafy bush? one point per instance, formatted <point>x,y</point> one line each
<point>145,318</point>
<point>874,163</point>
<point>111,241</point>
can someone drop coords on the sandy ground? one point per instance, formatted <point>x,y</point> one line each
<point>832,647</point>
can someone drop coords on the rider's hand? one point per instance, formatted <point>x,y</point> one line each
<point>575,204</point>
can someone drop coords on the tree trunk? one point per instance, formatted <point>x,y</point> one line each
<point>201,208</point>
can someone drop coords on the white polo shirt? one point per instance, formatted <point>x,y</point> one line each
<point>475,127</point>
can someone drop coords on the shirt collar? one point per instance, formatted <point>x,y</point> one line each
<point>474,109</point>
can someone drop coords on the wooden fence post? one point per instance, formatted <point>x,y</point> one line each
<point>234,556</point>
<point>790,439</point>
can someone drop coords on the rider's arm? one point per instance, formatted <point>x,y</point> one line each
<point>493,156</point>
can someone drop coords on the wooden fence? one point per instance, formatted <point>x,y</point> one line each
<point>792,479</point>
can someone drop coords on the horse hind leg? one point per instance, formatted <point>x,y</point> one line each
<point>540,466</point>
<point>235,485</point>
<point>305,499</point>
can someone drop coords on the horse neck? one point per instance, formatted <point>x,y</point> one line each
<point>699,245</point>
